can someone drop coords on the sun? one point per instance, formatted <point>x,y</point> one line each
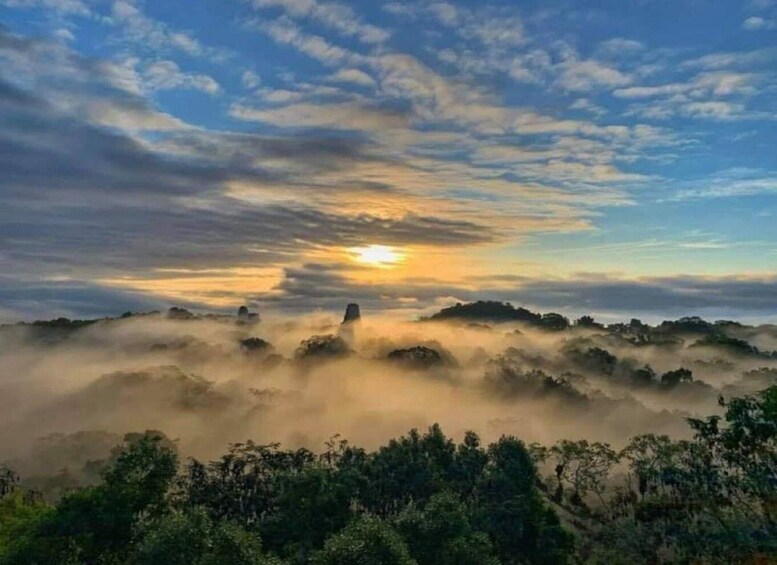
<point>377,255</point>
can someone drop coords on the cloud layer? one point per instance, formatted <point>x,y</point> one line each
<point>138,152</point>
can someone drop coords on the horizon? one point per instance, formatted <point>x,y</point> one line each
<point>380,315</point>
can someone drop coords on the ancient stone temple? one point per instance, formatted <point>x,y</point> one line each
<point>244,315</point>
<point>352,313</point>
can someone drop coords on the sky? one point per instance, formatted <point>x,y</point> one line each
<point>613,158</point>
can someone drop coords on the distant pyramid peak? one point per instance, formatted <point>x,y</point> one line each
<point>245,315</point>
<point>352,313</point>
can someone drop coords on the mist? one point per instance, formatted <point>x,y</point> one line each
<point>208,381</point>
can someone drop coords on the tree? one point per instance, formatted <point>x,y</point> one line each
<point>418,357</point>
<point>673,378</point>
<point>322,346</point>
<point>96,524</point>
<point>469,462</point>
<point>486,310</point>
<point>366,541</point>
<point>708,500</point>
<point>554,322</point>
<point>440,533</point>
<point>8,481</point>
<point>411,468</point>
<point>307,506</point>
<point>241,486</point>
<point>19,515</point>
<point>511,511</point>
<point>654,460</point>
<point>192,538</point>
<point>584,466</point>
<point>588,322</point>
<point>255,345</point>
<point>594,359</point>
<point>747,449</point>
<point>644,376</point>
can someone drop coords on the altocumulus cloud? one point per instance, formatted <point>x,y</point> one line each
<point>84,196</point>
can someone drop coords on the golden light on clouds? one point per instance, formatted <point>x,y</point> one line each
<point>383,256</point>
<point>217,288</point>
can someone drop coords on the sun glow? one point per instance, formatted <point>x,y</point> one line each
<point>377,255</point>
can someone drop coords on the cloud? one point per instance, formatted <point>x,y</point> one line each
<point>491,27</point>
<point>353,76</point>
<point>506,31</point>
<point>584,75</point>
<point>489,122</point>
<point>64,7</point>
<point>250,79</point>
<point>588,106</point>
<point>167,75</point>
<point>730,183</point>
<point>620,46</point>
<point>115,204</point>
<point>46,152</point>
<point>114,240</point>
<point>676,295</point>
<point>143,30</point>
<point>328,287</point>
<point>285,32</point>
<point>45,300</point>
<point>334,15</point>
<point>716,110</point>
<point>733,59</point>
<point>755,23</point>
<point>405,9</point>
<point>95,91</point>
<point>334,116</point>
<point>715,94</point>
<point>715,83</point>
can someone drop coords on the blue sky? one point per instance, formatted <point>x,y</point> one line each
<point>210,153</point>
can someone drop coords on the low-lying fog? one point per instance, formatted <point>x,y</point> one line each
<point>204,382</point>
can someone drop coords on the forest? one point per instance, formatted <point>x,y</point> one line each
<point>173,437</point>
<point>420,498</point>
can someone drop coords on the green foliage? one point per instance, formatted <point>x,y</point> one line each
<point>95,524</point>
<point>19,514</point>
<point>505,377</point>
<point>420,499</point>
<point>192,538</point>
<point>441,533</point>
<point>687,325</point>
<point>410,468</point>
<point>307,507</point>
<point>710,500</point>
<point>588,322</point>
<point>241,486</point>
<point>553,322</point>
<point>511,511</point>
<point>673,378</point>
<point>255,345</point>
<point>63,324</point>
<point>594,359</point>
<point>582,466</point>
<point>731,345</point>
<point>644,376</point>
<point>418,357</point>
<point>322,347</point>
<point>367,541</point>
<point>486,310</point>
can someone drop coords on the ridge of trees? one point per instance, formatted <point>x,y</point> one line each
<point>420,499</point>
